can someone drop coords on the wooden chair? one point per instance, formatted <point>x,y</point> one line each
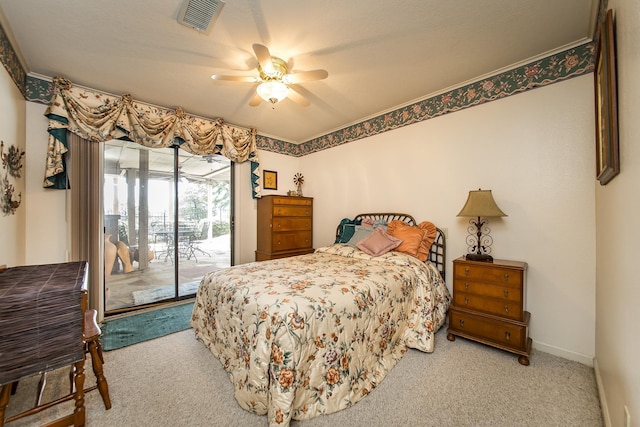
<point>91,339</point>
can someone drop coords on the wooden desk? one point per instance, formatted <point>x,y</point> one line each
<point>41,323</point>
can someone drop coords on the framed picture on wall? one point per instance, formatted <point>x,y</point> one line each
<point>607,151</point>
<point>270,180</point>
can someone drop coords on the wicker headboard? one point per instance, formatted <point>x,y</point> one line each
<point>437,253</point>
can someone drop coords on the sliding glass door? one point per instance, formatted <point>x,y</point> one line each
<point>167,218</point>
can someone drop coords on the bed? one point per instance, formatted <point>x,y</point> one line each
<point>314,334</point>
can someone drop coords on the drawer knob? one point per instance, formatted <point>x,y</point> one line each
<point>462,323</point>
<point>279,225</point>
<point>466,300</point>
<point>466,285</point>
<point>506,277</point>
<point>506,293</point>
<point>278,243</point>
<point>466,271</point>
<point>506,308</point>
<point>507,335</point>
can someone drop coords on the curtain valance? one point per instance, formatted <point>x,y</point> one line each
<point>97,116</point>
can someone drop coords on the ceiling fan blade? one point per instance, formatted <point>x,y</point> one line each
<point>264,57</point>
<point>296,97</point>
<point>255,101</point>
<point>305,76</point>
<point>249,79</point>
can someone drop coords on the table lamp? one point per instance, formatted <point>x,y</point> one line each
<point>480,204</point>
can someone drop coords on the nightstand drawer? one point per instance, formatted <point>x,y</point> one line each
<point>512,335</point>
<point>502,292</point>
<point>510,310</point>
<point>489,273</point>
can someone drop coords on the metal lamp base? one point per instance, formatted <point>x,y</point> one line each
<point>479,257</point>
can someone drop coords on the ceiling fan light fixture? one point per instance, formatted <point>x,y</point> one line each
<point>272,91</point>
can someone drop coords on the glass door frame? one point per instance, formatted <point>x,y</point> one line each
<point>176,231</point>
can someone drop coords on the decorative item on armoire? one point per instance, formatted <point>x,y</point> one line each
<point>12,164</point>
<point>298,180</point>
<point>480,204</point>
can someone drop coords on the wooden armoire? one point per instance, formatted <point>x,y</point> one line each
<point>285,226</point>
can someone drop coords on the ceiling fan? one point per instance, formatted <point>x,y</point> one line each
<point>275,79</point>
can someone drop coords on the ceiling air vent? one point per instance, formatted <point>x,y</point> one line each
<point>199,14</point>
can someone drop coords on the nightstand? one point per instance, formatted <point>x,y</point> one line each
<point>489,305</point>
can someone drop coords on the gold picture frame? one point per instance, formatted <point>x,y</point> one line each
<point>270,180</point>
<point>607,150</point>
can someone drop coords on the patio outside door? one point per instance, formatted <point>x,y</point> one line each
<point>167,218</point>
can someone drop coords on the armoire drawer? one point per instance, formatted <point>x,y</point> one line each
<point>287,211</point>
<point>291,224</point>
<point>289,241</point>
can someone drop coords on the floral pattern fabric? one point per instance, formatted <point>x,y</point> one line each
<point>314,334</point>
<point>97,116</point>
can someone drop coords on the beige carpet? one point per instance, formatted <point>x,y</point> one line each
<point>175,381</point>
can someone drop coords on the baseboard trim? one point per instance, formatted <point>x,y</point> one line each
<point>565,354</point>
<point>601,394</point>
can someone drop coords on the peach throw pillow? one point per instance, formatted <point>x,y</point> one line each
<point>416,240</point>
<point>430,232</point>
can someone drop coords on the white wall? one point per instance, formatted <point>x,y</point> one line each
<point>12,123</point>
<point>617,204</point>
<point>47,229</point>
<point>535,151</point>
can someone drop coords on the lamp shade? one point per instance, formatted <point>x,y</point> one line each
<point>272,91</point>
<point>480,203</point>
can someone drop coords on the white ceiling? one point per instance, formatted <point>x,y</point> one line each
<point>380,55</point>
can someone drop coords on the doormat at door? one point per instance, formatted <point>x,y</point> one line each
<point>125,331</point>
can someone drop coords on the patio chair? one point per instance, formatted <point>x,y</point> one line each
<point>195,240</point>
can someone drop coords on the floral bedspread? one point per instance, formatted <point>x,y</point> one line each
<point>314,334</point>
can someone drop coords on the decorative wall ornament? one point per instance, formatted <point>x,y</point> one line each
<point>12,165</point>
<point>607,148</point>
<point>7,203</point>
<point>12,160</point>
<point>270,179</point>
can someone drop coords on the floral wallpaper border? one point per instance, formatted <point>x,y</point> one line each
<point>571,63</point>
<point>10,60</point>
<point>552,69</point>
